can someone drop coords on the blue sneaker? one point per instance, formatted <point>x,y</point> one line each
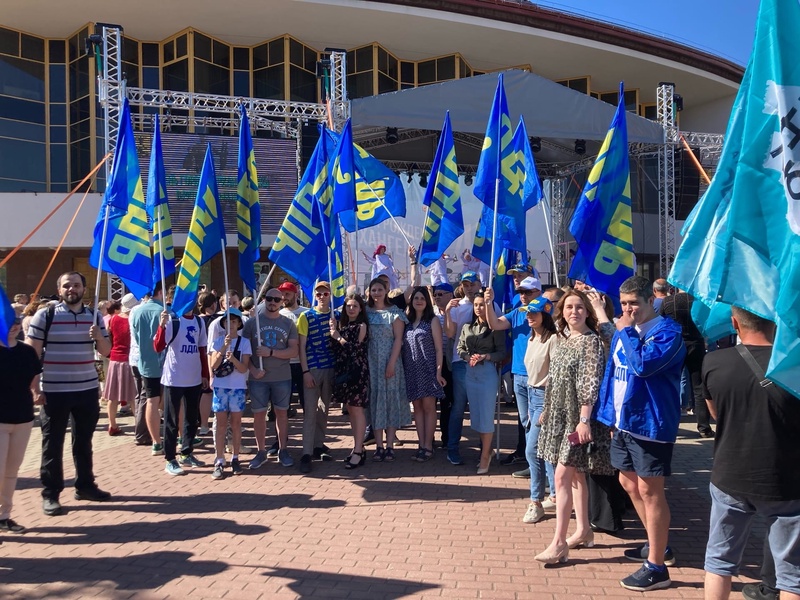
<point>646,579</point>
<point>259,459</point>
<point>454,456</point>
<point>640,554</point>
<point>285,459</point>
<point>173,468</point>
<point>188,460</point>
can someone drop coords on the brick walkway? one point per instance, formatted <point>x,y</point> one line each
<point>401,530</point>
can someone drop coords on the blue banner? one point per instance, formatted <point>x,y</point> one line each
<point>602,223</point>
<point>206,238</point>
<point>248,209</point>
<point>343,173</point>
<point>530,188</point>
<point>157,205</point>
<point>741,243</point>
<point>7,316</point>
<point>444,220</point>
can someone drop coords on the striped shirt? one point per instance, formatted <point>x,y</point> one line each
<point>68,364</point>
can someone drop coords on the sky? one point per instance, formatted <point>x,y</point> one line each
<point>722,27</point>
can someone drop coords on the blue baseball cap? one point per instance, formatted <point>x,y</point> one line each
<point>443,287</point>
<point>469,276</point>
<point>540,304</point>
<point>521,268</point>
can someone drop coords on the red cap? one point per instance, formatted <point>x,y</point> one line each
<point>288,286</point>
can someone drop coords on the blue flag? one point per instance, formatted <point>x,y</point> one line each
<point>7,316</point>
<point>503,282</point>
<point>248,209</point>
<point>158,211</point>
<point>384,183</point>
<point>343,173</point>
<point>206,238</point>
<point>498,157</point>
<point>444,221</point>
<point>126,253</point>
<point>300,247</point>
<point>741,243</point>
<point>530,189</point>
<point>602,223</point>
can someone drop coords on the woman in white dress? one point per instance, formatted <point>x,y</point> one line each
<point>382,264</point>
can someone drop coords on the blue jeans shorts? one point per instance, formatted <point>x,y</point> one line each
<point>228,400</point>
<point>262,393</point>
<point>731,519</point>
<point>646,458</point>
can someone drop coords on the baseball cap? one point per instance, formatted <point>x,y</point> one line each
<point>469,276</point>
<point>540,304</point>
<point>530,283</point>
<point>521,268</point>
<point>288,286</point>
<point>322,284</point>
<point>443,287</point>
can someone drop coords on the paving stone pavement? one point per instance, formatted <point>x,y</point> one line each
<point>386,530</point>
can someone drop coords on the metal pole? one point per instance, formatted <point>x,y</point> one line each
<point>228,301</point>
<point>261,292</point>
<point>550,241</point>
<point>383,204</point>
<point>100,262</point>
<point>494,229</point>
<point>161,252</point>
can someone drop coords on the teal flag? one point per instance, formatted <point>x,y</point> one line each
<point>248,209</point>
<point>602,222</point>
<point>126,253</point>
<point>158,210</point>
<point>741,243</point>
<point>206,238</point>
<point>376,185</point>
<point>444,221</point>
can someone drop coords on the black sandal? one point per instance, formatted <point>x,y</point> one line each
<point>379,455</point>
<point>351,465</point>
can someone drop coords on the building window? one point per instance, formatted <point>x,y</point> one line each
<point>631,99</point>
<point>579,84</point>
<point>360,71</point>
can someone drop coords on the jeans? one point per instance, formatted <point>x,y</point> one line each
<point>521,391</point>
<point>687,397</point>
<point>540,469</point>
<point>445,405</point>
<point>459,405</point>
<point>84,408</point>
<point>140,431</point>
<point>190,397</point>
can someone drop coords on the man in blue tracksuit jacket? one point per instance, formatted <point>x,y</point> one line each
<point>640,397</point>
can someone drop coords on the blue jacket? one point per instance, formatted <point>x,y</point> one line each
<point>652,405</point>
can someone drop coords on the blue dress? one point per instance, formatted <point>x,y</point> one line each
<point>419,362</point>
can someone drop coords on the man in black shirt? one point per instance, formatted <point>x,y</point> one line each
<point>756,459</point>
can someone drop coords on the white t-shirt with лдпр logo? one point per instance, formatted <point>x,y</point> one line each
<point>183,362</point>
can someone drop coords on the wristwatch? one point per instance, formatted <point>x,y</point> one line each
<point>585,420</point>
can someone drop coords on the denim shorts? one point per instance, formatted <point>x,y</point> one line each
<point>262,393</point>
<point>228,400</point>
<point>646,458</point>
<point>731,519</point>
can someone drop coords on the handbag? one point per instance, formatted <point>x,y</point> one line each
<point>226,368</point>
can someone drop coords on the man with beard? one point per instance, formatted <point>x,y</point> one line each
<point>273,338</point>
<point>70,388</point>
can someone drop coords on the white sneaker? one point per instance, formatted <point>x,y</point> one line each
<point>548,504</point>
<point>534,514</point>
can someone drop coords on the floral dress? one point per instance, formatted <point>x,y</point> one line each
<point>388,399</point>
<point>576,373</point>
<point>351,358</point>
<point>419,362</point>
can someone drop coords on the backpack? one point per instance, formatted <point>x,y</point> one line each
<point>48,320</point>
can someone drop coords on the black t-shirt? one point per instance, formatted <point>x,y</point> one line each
<point>757,448</point>
<point>18,366</point>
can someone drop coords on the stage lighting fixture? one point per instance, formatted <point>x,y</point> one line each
<point>580,147</point>
<point>536,144</point>
<point>391,135</point>
<point>678,100</point>
<point>468,179</point>
<point>410,176</point>
<point>423,180</point>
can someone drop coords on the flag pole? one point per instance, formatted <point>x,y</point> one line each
<point>494,229</point>
<point>550,241</point>
<point>383,204</point>
<point>225,277</point>
<point>100,262</point>
<point>161,253</point>
<point>261,292</point>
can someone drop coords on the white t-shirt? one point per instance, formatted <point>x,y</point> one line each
<point>182,364</point>
<point>438,271</point>
<point>293,315</point>
<point>236,380</point>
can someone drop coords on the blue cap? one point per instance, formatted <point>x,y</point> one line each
<point>443,287</point>
<point>540,304</point>
<point>234,312</point>
<point>469,276</point>
<point>521,268</point>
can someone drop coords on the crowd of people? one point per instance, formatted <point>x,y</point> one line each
<point>598,391</point>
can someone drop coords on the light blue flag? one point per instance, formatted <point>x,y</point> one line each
<point>444,221</point>
<point>530,188</point>
<point>742,242</point>
<point>7,316</point>
<point>157,205</point>
<point>374,182</point>
<point>126,253</point>
<point>300,247</point>
<point>206,238</point>
<point>602,223</point>
<point>248,209</point>
<point>343,173</point>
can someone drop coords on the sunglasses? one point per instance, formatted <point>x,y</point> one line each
<point>440,294</point>
<point>527,291</point>
<point>274,298</point>
<point>322,294</point>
